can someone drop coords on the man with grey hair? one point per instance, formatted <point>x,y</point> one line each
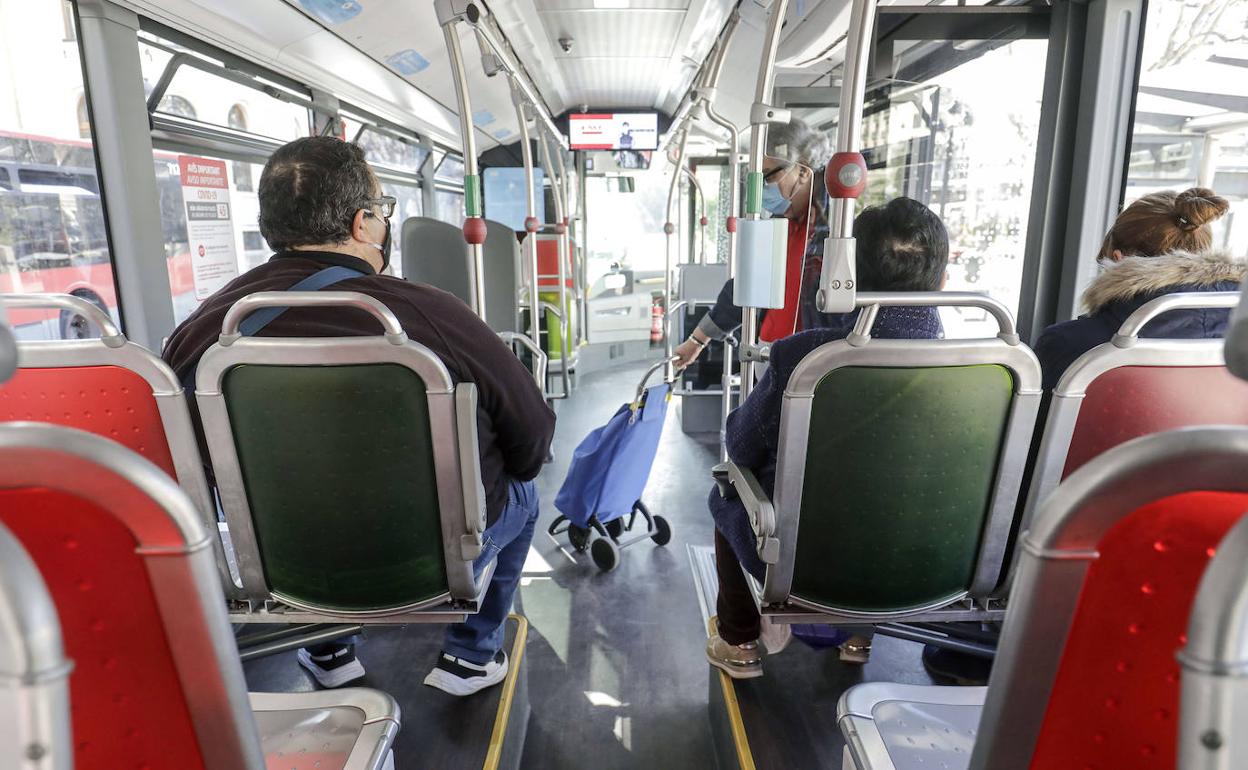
<point>792,188</point>
<point>322,209</point>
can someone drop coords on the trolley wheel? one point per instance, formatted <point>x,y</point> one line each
<point>606,554</point>
<point>662,531</point>
<point>579,537</point>
<point>615,528</point>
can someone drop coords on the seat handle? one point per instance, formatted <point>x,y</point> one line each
<point>253,302</point>
<point>110,335</point>
<point>872,301</point>
<point>540,359</point>
<point>1129,333</point>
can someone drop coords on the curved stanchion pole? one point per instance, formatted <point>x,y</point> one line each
<point>669,230</point>
<point>540,359</point>
<point>474,224</point>
<point>702,220</point>
<point>531,224</point>
<point>109,333</point>
<point>760,118</point>
<point>645,378</point>
<point>561,229</point>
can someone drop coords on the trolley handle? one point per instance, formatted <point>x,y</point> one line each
<point>641,387</point>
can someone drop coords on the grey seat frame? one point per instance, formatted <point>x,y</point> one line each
<point>776,521</point>
<point>183,582</point>
<point>1056,554</point>
<point>113,349</point>
<point>1126,348</point>
<point>453,427</point>
<point>34,672</point>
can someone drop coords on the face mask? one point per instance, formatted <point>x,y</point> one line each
<point>774,200</point>
<point>384,248</point>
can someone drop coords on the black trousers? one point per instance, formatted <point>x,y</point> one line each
<point>738,617</point>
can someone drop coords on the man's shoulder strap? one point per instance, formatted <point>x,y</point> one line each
<point>329,276</point>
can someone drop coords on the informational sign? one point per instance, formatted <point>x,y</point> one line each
<point>209,228</point>
<point>614,131</point>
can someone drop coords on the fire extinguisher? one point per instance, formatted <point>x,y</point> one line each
<point>656,322</point>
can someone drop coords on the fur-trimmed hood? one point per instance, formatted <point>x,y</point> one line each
<point>1133,276</point>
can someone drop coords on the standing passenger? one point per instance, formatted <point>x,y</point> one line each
<point>1160,244</point>
<point>321,206</point>
<point>792,188</point>
<point>902,246</point>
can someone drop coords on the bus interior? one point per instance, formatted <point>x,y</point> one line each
<point>954,557</point>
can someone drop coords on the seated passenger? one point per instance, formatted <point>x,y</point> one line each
<point>901,246</point>
<point>1158,245</point>
<point>321,205</point>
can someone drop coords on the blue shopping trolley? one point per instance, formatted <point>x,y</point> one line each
<point>600,499</point>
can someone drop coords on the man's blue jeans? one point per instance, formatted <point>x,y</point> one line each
<point>480,637</point>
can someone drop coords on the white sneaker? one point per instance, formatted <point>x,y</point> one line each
<point>775,636</point>
<point>335,669</point>
<point>459,677</point>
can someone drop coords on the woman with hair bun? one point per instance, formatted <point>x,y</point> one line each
<point>1160,244</point>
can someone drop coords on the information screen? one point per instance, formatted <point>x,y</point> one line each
<point>615,131</point>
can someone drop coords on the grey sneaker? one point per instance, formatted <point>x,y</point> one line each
<point>739,661</point>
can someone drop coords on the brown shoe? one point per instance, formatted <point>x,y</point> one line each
<point>739,661</point>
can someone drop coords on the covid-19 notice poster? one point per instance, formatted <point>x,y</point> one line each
<point>209,228</point>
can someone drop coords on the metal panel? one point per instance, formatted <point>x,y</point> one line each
<point>123,144</point>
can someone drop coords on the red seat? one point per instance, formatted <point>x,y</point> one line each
<point>156,681</point>
<point>116,389</point>
<point>1115,701</point>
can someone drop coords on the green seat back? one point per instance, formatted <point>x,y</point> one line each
<point>338,466</point>
<point>900,470</point>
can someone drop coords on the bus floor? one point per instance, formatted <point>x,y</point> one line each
<point>616,675</point>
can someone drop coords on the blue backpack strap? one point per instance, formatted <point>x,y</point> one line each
<point>253,323</point>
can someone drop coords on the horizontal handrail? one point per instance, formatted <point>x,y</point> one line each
<point>253,302</point>
<point>109,332</point>
<point>1129,333</point>
<point>540,360</point>
<point>872,301</point>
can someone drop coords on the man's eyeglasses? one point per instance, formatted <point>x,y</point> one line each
<point>386,203</point>
<point>775,172</point>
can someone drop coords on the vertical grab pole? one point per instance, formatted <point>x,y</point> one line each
<point>582,268</point>
<point>711,84</point>
<point>561,229</point>
<point>846,173</point>
<point>474,225</point>
<point>702,220</point>
<point>669,371</point>
<point>530,221</point>
<point>754,178</point>
<point>565,188</point>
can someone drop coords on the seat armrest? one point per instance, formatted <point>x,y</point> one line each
<point>473,489</point>
<point>732,478</point>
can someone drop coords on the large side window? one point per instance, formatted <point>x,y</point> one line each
<point>214,128</point>
<point>396,158</point>
<point>52,231</point>
<point>1191,110</point>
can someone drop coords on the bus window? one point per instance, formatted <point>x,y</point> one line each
<point>964,143</point>
<point>1191,110</point>
<point>52,231</point>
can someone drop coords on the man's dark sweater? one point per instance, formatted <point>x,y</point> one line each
<point>514,423</point>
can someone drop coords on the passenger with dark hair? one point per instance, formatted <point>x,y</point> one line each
<point>322,206</point>
<point>1160,244</point>
<point>901,246</point>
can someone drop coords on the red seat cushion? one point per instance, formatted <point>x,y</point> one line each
<point>1134,401</point>
<point>1115,701</point>
<point>128,709</point>
<point>108,401</point>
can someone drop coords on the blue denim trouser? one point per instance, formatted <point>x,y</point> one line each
<point>479,637</point>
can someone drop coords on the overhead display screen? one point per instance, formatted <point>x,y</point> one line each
<point>614,131</point>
